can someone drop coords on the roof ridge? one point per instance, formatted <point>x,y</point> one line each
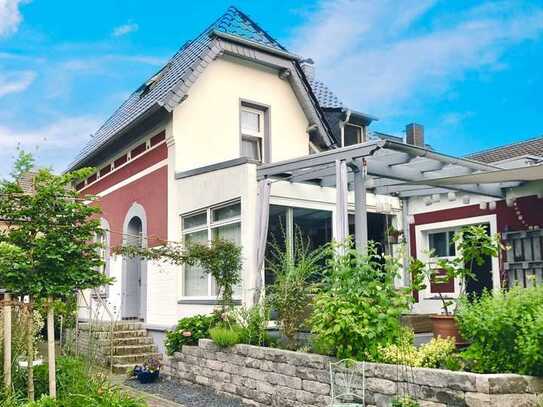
<point>257,27</point>
<point>516,143</point>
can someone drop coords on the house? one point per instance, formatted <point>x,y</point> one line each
<point>183,157</point>
<point>178,161</point>
<point>518,218</point>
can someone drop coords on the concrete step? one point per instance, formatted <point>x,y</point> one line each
<point>106,326</point>
<point>140,333</point>
<point>134,350</point>
<point>133,359</point>
<point>122,369</point>
<point>139,340</point>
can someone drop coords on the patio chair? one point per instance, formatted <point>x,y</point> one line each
<point>347,385</point>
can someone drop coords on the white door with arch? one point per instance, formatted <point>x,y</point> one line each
<point>134,268</point>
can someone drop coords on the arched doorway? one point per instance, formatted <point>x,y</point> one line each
<point>133,273</point>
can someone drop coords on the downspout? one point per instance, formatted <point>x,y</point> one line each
<point>342,124</point>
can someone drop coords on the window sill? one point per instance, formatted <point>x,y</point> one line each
<point>211,301</point>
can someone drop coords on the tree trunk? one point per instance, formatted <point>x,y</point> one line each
<point>7,343</point>
<point>51,348</point>
<point>30,350</point>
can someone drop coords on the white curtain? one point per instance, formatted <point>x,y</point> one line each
<point>262,218</point>
<point>342,221</point>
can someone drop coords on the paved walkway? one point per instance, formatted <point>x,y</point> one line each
<point>151,399</point>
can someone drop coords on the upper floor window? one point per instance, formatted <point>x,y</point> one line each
<point>352,135</point>
<point>441,244</point>
<point>252,133</point>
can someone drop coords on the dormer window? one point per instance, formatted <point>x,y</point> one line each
<point>352,135</point>
<point>252,133</point>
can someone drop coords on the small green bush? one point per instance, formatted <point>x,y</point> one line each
<point>188,331</point>
<point>358,308</point>
<point>254,323</point>
<point>505,330</point>
<point>433,354</point>
<point>405,401</point>
<point>226,337</point>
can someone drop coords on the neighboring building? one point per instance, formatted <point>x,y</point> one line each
<point>177,161</point>
<point>518,219</point>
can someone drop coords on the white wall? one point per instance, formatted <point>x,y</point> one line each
<point>206,126</point>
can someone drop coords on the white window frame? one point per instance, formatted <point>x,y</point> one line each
<point>421,236</point>
<point>209,226</point>
<point>361,138</point>
<point>252,135</point>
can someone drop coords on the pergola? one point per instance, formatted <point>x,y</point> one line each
<point>385,167</point>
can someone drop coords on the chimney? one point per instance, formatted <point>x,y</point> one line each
<point>308,66</point>
<point>414,134</point>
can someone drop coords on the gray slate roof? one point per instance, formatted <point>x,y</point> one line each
<point>326,98</point>
<point>528,147</point>
<point>160,89</point>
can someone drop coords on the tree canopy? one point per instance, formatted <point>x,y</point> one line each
<point>48,237</point>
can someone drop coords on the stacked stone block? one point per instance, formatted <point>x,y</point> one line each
<point>275,377</point>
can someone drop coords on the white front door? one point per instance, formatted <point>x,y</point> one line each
<point>132,288</point>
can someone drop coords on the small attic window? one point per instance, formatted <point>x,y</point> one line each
<point>151,83</point>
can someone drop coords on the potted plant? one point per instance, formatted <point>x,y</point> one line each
<point>393,234</point>
<point>149,371</point>
<point>474,245</point>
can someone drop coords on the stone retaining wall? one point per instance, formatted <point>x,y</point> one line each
<point>274,377</point>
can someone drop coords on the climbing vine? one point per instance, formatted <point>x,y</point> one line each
<point>221,258</point>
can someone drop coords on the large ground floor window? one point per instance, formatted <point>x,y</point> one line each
<point>218,222</point>
<point>288,225</point>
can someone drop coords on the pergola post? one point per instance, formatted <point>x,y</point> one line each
<point>342,220</point>
<point>360,207</point>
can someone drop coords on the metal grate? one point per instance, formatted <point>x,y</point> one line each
<point>524,263</point>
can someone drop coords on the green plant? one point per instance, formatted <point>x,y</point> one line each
<point>433,354</point>
<point>474,245</point>
<point>226,337</point>
<point>505,329</point>
<point>221,258</point>
<point>291,294</point>
<point>254,323</point>
<point>188,331</point>
<point>405,401</point>
<point>358,308</point>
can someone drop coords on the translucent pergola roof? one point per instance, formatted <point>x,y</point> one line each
<point>390,168</point>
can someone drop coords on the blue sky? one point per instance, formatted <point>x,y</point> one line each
<point>470,71</point>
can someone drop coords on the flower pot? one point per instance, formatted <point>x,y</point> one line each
<point>446,327</point>
<point>148,377</point>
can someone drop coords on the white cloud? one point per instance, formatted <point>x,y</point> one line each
<point>10,16</point>
<point>15,82</point>
<point>125,29</point>
<point>378,59</point>
<point>54,144</point>
<point>64,133</point>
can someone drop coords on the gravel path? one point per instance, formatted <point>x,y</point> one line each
<point>187,395</point>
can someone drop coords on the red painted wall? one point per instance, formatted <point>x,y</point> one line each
<point>133,167</point>
<point>529,207</point>
<point>150,191</point>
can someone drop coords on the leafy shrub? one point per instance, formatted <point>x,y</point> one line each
<point>358,309</point>
<point>291,294</point>
<point>76,387</point>
<point>405,401</point>
<point>433,354</point>
<point>254,324</point>
<point>505,330</point>
<point>188,331</point>
<point>226,337</point>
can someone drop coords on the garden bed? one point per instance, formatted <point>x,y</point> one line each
<point>262,376</point>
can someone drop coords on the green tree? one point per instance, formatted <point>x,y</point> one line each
<point>47,244</point>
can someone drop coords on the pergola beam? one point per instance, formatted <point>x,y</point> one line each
<point>315,161</point>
